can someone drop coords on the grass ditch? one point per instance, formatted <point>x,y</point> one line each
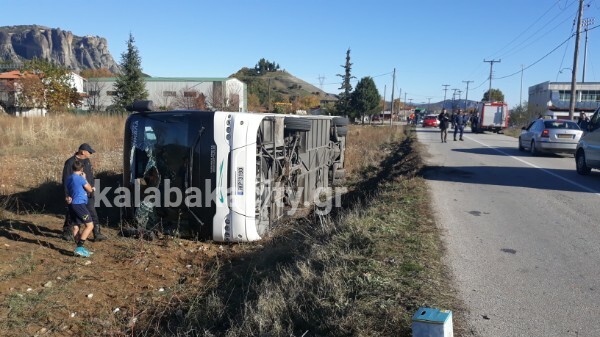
<point>361,271</point>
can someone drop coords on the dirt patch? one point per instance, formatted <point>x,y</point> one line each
<point>43,287</point>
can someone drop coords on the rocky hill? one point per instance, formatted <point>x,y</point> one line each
<point>19,43</point>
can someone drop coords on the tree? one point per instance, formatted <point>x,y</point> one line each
<point>130,85</point>
<point>94,99</point>
<point>520,115</point>
<point>309,101</point>
<point>497,96</point>
<point>253,102</point>
<point>365,100</point>
<point>264,66</point>
<point>50,87</point>
<point>343,104</point>
<point>29,92</point>
<point>166,97</point>
<point>190,99</point>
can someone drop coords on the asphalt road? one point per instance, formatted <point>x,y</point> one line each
<point>522,235</point>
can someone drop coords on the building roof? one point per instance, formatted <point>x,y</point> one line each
<point>11,75</point>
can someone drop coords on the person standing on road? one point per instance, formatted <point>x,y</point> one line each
<point>83,154</point>
<point>444,121</point>
<point>459,124</point>
<point>474,122</point>
<point>452,118</point>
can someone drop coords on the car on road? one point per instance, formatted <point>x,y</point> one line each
<point>430,120</point>
<point>550,136</point>
<point>587,155</point>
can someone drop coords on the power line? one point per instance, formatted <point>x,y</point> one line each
<point>520,46</point>
<point>529,27</point>
<point>541,58</point>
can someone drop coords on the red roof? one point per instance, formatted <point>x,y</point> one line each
<point>14,75</point>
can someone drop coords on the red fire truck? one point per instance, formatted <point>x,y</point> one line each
<point>493,116</point>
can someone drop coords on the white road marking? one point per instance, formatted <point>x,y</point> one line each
<point>537,167</point>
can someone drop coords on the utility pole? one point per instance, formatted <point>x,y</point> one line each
<point>521,92</point>
<point>575,56</point>
<point>459,92</point>
<point>384,93</point>
<point>586,23</point>
<point>392,108</point>
<point>405,97</point>
<point>491,72</point>
<point>399,99</point>
<point>445,89</point>
<point>269,94</point>
<point>467,94</point>
<point>453,98</point>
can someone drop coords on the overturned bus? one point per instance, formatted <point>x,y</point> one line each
<point>226,176</point>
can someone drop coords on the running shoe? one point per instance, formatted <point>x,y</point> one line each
<point>81,251</point>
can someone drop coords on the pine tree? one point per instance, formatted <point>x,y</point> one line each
<point>343,104</point>
<point>365,99</point>
<point>130,85</point>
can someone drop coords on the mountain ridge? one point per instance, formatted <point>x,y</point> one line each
<point>26,42</point>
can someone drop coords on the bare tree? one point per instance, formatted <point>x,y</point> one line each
<point>215,97</point>
<point>167,97</point>
<point>190,99</point>
<point>94,99</point>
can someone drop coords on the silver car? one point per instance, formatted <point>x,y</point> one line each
<point>587,156</point>
<point>550,136</point>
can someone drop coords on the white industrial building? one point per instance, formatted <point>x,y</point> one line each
<point>554,97</point>
<point>168,93</point>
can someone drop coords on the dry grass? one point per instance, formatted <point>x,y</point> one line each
<point>362,271</point>
<point>33,150</point>
<point>512,132</point>
<point>364,143</point>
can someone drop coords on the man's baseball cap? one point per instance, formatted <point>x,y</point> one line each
<point>86,147</point>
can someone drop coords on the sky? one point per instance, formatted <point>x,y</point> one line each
<point>429,43</point>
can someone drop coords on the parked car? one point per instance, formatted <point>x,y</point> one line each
<point>587,155</point>
<point>550,136</point>
<point>430,120</point>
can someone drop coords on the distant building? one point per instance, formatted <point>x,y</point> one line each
<point>169,93</point>
<point>9,93</point>
<point>555,97</point>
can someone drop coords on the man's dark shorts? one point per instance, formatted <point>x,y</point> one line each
<point>79,214</point>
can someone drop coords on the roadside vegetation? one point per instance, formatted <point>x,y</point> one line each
<point>361,270</point>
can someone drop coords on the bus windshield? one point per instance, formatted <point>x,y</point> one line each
<point>167,154</point>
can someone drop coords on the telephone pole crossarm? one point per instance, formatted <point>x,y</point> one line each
<point>491,62</point>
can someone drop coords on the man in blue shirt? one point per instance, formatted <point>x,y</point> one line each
<point>78,189</point>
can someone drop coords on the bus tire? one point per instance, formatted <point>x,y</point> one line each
<point>297,124</point>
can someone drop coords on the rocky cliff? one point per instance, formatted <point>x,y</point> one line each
<point>19,43</point>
